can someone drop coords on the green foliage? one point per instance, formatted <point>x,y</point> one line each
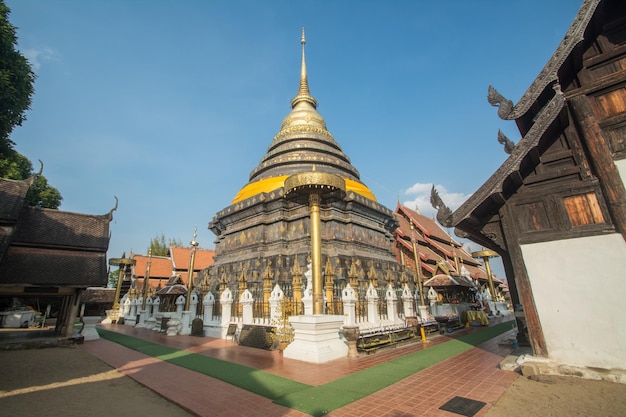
<point>16,80</point>
<point>43,195</point>
<point>16,91</point>
<point>159,245</point>
<point>113,277</point>
<point>14,165</point>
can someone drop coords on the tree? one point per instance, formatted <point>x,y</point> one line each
<point>159,245</point>
<point>16,91</point>
<point>114,276</point>
<point>43,195</point>
<point>16,80</point>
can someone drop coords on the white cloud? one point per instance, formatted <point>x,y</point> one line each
<point>36,57</point>
<point>421,199</point>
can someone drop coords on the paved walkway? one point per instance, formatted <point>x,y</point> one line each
<point>473,374</point>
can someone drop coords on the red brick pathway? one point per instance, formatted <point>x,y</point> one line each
<point>472,374</point>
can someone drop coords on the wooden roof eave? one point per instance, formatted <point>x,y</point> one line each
<point>492,191</point>
<point>549,74</point>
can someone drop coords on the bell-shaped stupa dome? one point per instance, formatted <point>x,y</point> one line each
<point>303,144</point>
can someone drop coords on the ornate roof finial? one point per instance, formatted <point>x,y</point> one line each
<point>509,145</point>
<point>303,91</point>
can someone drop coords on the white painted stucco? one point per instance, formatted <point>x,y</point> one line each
<point>579,288</point>
<point>621,167</point>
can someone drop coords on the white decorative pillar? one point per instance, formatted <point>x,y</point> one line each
<point>407,301</point>
<point>89,331</point>
<point>276,297</point>
<point>143,313</point>
<point>392,304</point>
<point>348,297</point>
<point>125,303</point>
<point>226,300</point>
<point>432,296</point>
<point>126,307</point>
<point>208,302</point>
<point>372,305</point>
<point>180,304</point>
<point>193,304</point>
<point>185,327</point>
<point>132,313</point>
<point>307,297</point>
<point>150,321</point>
<point>156,305</point>
<point>246,300</point>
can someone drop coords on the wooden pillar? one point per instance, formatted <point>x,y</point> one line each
<point>522,282</point>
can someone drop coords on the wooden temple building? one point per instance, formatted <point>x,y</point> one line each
<point>555,211</point>
<point>48,258</point>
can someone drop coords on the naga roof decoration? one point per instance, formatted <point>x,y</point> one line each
<point>494,185</point>
<point>549,73</point>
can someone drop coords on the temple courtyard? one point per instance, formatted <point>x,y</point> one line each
<point>131,371</point>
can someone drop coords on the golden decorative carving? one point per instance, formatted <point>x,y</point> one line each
<point>314,182</point>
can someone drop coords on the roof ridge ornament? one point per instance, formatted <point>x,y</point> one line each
<point>509,145</point>
<point>444,214</point>
<point>504,105</point>
<point>550,72</point>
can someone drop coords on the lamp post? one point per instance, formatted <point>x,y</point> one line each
<point>122,263</point>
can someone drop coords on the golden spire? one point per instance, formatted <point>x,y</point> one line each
<point>303,91</point>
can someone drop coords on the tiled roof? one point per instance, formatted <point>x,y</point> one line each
<point>97,295</point>
<point>442,280</point>
<point>476,272</point>
<point>434,243</point>
<point>160,266</point>
<point>428,226</point>
<point>53,267</point>
<point>12,193</point>
<point>49,247</point>
<point>37,226</point>
<point>181,257</point>
<point>176,289</point>
<point>404,230</point>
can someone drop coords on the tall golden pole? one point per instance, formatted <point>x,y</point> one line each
<point>485,254</point>
<point>316,254</point>
<point>194,245</point>
<point>314,184</point>
<point>122,262</point>
<point>146,280</point>
<point>417,265</point>
<point>419,280</point>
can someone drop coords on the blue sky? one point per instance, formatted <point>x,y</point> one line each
<point>169,105</point>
